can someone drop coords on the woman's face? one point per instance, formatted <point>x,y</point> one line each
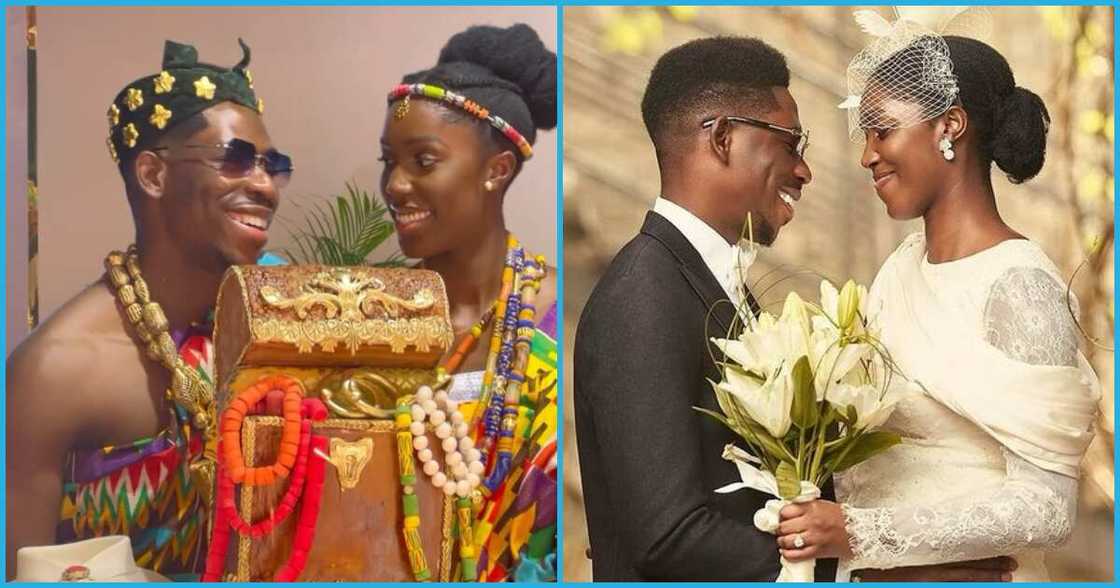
<point>907,167</point>
<point>433,176</point>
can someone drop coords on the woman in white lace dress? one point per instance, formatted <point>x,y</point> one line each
<point>978,315</point>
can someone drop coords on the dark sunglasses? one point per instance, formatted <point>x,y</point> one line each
<point>802,136</point>
<point>239,157</point>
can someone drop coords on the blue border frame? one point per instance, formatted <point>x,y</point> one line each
<point>560,294</point>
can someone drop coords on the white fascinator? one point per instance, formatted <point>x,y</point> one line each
<point>905,74</point>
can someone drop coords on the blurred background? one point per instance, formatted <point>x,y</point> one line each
<point>322,72</point>
<point>1065,54</point>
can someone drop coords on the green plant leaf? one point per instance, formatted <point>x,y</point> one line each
<point>803,411</point>
<point>788,484</point>
<point>738,419</point>
<point>863,447</point>
<point>746,427</point>
<point>343,231</point>
<point>830,414</point>
<point>715,415</point>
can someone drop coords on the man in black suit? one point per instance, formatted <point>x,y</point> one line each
<point>649,461</point>
<point>728,143</point>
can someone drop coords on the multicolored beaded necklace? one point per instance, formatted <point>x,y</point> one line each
<point>467,344</point>
<point>505,369</point>
<point>494,425</point>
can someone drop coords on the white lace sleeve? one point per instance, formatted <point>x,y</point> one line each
<point>1027,318</point>
<point>1032,508</point>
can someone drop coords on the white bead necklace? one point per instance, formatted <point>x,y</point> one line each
<point>463,461</point>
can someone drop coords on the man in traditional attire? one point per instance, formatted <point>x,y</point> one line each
<point>110,401</point>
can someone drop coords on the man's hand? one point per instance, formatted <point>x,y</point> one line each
<point>994,569</point>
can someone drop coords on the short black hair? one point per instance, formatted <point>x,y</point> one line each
<point>710,77</point>
<point>1010,122</point>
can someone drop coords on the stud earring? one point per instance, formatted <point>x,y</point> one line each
<point>488,185</point>
<point>946,147</point>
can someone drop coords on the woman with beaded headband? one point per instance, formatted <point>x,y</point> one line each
<point>455,137</point>
<point>969,308</point>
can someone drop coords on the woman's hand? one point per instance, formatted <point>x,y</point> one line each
<point>813,530</point>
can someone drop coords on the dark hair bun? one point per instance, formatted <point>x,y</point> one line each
<point>516,55</point>
<point>1018,139</point>
<point>1011,122</point>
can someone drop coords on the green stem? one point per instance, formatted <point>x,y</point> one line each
<point>843,453</point>
<point>800,451</point>
<point>761,451</point>
<point>817,457</point>
<point>833,443</point>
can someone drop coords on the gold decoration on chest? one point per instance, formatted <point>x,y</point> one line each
<point>350,458</point>
<point>338,293</point>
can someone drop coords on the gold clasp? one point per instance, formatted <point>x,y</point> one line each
<point>350,458</point>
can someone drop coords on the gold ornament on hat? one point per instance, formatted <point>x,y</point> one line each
<point>160,116</point>
<point>203,88</point>
<point>164,82</point>
<point>249,78</point>
<point>260,105</point>
<point>130,135</point>
<point>134,99</point>
<point>114,115</point>
<point>112,149</point>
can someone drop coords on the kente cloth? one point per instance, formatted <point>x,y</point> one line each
<point>516,527</point>
<point>143,489</point>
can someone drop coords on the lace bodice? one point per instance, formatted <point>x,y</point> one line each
<point>951,491</point>
<point>1027,317</point>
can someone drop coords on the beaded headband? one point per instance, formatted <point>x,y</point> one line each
<point>463,103</point>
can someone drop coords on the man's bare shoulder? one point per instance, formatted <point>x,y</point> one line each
<point>82,338</point>
<point>84,373</point>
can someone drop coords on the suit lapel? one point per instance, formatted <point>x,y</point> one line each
<point>695,271</point>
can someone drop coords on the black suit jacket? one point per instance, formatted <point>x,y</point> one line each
<point>649,462</point>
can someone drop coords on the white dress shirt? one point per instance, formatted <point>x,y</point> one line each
<point>717,253</point>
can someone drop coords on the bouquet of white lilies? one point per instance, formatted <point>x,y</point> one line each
<point>805,391</point>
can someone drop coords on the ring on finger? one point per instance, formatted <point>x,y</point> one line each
<point>798,541</point>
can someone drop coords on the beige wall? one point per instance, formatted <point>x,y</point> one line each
<point>16,210</point>
<point>322,72</point>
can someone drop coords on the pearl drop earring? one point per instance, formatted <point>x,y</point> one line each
<point>946,147</point>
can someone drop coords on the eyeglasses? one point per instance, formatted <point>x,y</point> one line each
<point>239,158</point>
<point>802,136</point>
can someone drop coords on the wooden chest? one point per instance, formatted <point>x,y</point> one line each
<point>358,339</point>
